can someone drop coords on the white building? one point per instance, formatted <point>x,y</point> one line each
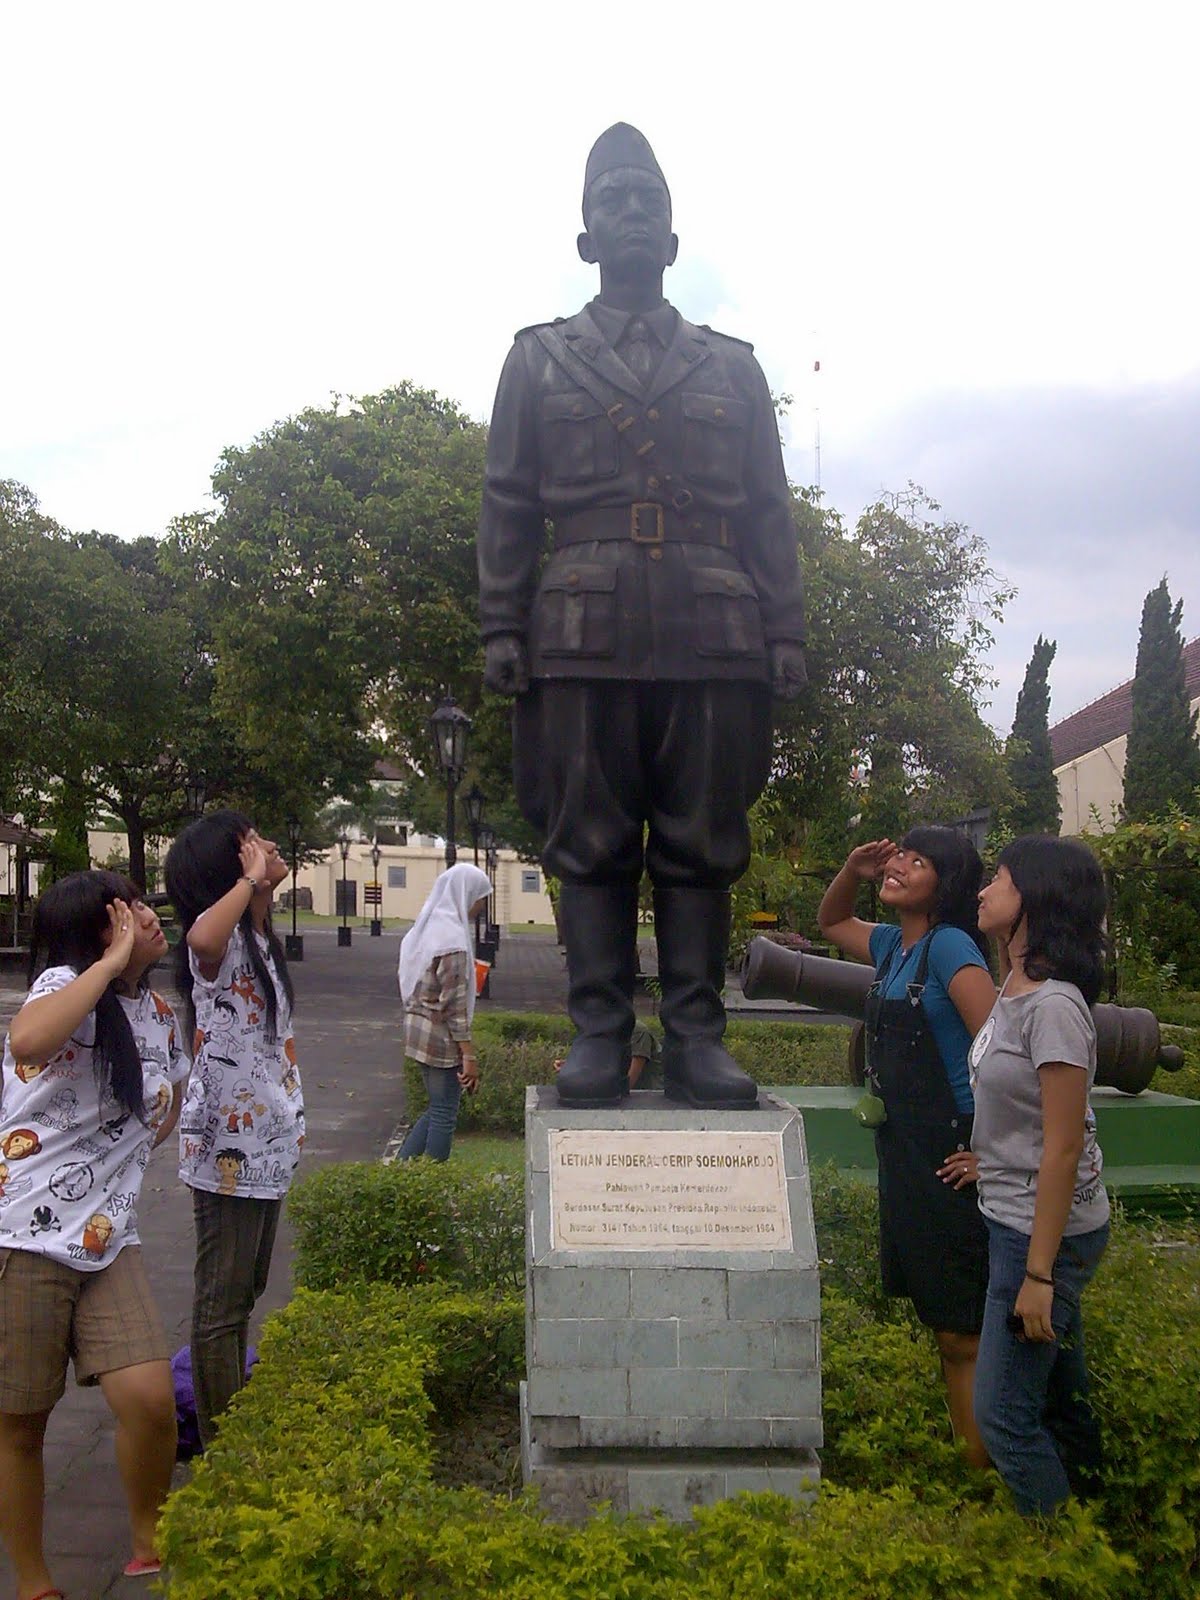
<point>1089,751</point>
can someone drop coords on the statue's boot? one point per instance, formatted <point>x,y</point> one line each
<point>692,926</point>
<point>599,929</point>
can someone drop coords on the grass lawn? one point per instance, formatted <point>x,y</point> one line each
<point>488,1152</point>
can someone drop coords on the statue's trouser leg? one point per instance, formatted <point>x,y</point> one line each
<point>596,762</point>
<point>577,778</point>
<point>711,760</point>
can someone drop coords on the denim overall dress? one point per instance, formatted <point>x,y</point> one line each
<point>932,1239</point>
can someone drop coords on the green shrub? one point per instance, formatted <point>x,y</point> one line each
<point>1142,1322</point>
<point>411,1222</point>
<point>318,1486</point>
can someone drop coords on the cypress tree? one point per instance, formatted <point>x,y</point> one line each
<point>1162,759</point>
<point>1027,752</point>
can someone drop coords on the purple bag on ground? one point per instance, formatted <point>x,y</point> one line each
<point>185,1401</point>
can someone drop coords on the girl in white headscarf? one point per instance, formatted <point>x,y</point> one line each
<point>437,986</point>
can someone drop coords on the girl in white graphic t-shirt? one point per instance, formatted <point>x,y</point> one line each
<point>242,1126</point>
<point>91,1081</point>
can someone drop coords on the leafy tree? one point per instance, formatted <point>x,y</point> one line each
<point>899,623</point>
<point>99,671</point>
<point>338,581</point>
<point>1162,759</point>
<point>1027,754</point>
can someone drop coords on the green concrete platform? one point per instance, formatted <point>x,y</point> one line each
<point>1151,1142</point>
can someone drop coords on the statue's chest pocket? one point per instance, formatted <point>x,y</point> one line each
<point>714,439</point>
<point>579,443</point>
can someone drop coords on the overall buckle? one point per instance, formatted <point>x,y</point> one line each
<point>646,522</point>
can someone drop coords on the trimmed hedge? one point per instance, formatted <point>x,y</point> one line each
<point>884,1406</point>
<point>409,1223</point>
<point>318,1486</point>
<point>518,1048</point>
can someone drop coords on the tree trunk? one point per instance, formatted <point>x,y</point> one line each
<point>137,847</point>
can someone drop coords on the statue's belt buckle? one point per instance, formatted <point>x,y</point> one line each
<point>646,522</point>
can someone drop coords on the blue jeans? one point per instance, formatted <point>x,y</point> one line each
<point>1031,1400</point>
<point>431,1134</point>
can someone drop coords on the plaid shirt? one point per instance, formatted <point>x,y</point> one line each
<point>436,1017</point>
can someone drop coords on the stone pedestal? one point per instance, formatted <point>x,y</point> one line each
<point>672,1305</point>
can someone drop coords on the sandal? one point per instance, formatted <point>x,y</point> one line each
<point>142,1569</point>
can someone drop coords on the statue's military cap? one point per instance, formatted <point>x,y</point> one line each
<point>620,146</point>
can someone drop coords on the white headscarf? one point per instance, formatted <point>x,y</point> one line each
<point>443,925</point>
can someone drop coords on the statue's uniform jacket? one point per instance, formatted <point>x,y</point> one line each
<point>612,607</point>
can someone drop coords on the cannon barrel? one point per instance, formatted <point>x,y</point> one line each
<point>1129,1043</point>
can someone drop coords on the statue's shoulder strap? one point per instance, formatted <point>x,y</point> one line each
<point>743,344</point>
<point>534,326</point>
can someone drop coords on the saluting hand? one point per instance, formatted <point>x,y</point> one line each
<point>868,860</point>
<point>120,925</point>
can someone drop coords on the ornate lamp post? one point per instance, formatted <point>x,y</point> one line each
<point>491,862</point>
<point>344,930</point>
<point>474,802</point>
<point>377,892</point>
<point>194,791</point>
<point>450,725</point>
<point>293,944</point>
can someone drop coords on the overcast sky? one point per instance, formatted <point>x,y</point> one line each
<point>981,220</point>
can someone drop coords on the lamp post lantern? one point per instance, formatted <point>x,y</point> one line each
<point>293,944</point>
<point>376,893</point>
<point>450,725</point>
<point>344,930</point>
<point>194,792</point>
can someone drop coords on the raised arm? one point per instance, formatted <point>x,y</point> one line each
<point>43,1025</point>
<point>209,936</point>
<point>835,915</point>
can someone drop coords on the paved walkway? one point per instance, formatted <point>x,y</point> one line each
<point>347,1032</point>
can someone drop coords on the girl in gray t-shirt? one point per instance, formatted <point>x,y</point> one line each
<point>1040,1191</point>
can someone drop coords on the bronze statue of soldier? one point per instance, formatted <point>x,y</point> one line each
<point>643,655</point>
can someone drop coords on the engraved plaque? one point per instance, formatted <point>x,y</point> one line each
<point>633,1189</point>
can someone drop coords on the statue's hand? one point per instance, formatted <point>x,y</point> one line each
<point>788,674</point>
<point>506,665</point>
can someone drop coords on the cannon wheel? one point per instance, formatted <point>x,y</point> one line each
<point>857,1054</point>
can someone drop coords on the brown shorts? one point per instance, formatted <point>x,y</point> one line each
<point>102,1320</point>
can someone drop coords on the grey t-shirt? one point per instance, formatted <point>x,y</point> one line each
<point>1024,1032</point>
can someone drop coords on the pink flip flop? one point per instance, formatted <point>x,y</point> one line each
<point>142,1569</point>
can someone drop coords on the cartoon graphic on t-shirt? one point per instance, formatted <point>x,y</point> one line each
<point>44,1221</point>
<point>71,1182</point>
<point>27,1071</point>
<point>244,1109</point>
<point>157,1109</point>
<point>97,1233</point>
<point>11,1187</point>
<point>229,1163</point>
<point>244,985</point>
<point>18,1143</point>
<point>115,1126</point>
<point>61,1111</point>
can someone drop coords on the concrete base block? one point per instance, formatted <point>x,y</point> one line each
<point>574,1483</point>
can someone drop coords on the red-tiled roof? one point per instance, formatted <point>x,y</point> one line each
<point>1108,718</point>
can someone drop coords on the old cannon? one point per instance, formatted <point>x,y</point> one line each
<point>1128,1043</point>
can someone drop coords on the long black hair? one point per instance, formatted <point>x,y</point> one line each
<point>959,873</point>
<point>1063,903</point>
<point>201,867</point>
<point>69,922</point>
